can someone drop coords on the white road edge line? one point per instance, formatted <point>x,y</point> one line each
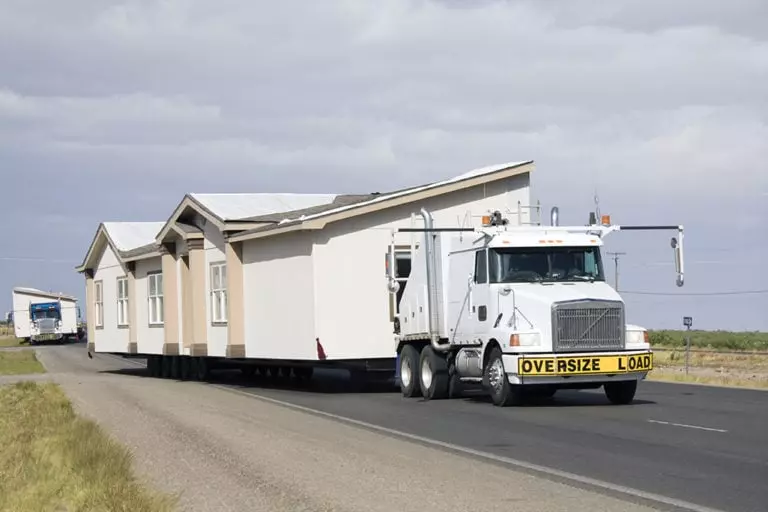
<point>687,426</point>
<point>476,453</point>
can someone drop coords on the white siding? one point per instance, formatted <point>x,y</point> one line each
<point>279,297</point>
<point>150,339</point>
<point>109,338</point>
<point>214,252</point>
<point>352,304</point>
<point>341,269</point>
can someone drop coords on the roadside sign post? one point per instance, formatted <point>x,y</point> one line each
<point>687,322</point>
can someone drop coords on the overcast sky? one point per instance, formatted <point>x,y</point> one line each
<point>113,110</point>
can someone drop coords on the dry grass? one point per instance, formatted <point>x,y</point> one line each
<point>739,370</point>
<point>10,341</point>
<point>711,340</point>
<point>19,362</point>
<point>53,460</point>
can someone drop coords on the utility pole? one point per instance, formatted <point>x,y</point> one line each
<point>616,268</point>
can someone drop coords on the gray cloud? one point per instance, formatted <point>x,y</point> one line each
<point>661,107</point>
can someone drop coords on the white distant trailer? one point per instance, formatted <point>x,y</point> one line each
<point>44,316</point>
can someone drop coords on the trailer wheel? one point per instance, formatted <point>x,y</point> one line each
<point>434,380</point>
<point>166,367</point>
<point>203,369</point>
<point>153,366</point>
<point>495,381</point>
<point>192,368</point>
<point>303,373</point>
<point>409,372</point>
<point>621,393</point>
<point>184,367</point>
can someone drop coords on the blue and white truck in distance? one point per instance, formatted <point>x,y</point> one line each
<point>44,316</point>
<point>522,311</point>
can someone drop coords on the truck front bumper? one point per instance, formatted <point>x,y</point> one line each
<point>49,336</point>
<point>590,367</point>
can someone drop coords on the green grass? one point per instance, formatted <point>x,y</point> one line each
<point>712,340</point>
<point>19,362</point>
<point>53,460</point>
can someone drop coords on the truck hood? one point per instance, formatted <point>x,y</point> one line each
<point>557,292</point>
<point>534,303</point>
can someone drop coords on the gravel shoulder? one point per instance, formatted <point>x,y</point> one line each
<point>224,451</point>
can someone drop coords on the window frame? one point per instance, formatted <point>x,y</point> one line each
<point>156,301</point>
<point>481,255</point>
<point>219,305</point>
<point>98,304</point>
<point>122,302</point>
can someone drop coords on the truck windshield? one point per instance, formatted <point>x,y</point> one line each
<point>545,264</point>
<point>46,313</point>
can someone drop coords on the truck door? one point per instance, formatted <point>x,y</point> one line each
<point>480,297</point>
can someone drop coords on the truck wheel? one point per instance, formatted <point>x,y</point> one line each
<point>495,380</point>
<point>433,375</point>
<point>409,372</point>
<point>621,393</point>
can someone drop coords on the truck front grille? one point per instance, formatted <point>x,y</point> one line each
<point>46,325</point>
<point>588,326</point>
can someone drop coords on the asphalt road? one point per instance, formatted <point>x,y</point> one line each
<point>703,445</point>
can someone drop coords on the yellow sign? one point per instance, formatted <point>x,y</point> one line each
<point>584,365</point>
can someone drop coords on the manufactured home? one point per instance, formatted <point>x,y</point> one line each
<point>281,281</point>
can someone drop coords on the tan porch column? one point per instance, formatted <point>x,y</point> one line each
<point>90,313</point>
<point>170,299</point>
<point>198,315</point>
<point>133,330</point>
<point>235,298</point>
<point>187,334</point>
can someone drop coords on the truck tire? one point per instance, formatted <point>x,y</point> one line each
<point>434,380</point>
<point>409,372</point>
<point>620,393</point>
<point>503,394</point>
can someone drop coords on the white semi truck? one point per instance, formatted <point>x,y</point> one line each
<point>522,311</point>
<point>44,316</point>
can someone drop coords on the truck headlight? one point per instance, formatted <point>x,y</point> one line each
<point>525,339</point>
<point>637,337</point>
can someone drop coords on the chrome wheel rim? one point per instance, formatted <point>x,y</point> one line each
<point>496,375</point>
<point>405,373</point>
<point>426,374</point>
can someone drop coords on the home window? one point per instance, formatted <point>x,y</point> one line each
<point>155,298</point>
<point>122,301</point>
<point>98,303</point>
<point>218,292</point>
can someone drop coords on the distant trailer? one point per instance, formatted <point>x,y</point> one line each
<point>40,316</point>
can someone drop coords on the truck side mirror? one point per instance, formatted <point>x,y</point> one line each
<point>677,247</point>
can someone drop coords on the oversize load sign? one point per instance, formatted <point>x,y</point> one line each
<point>584,365</point>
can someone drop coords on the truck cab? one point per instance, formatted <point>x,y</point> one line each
<point>45,321</point>
<point>521,310</point>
